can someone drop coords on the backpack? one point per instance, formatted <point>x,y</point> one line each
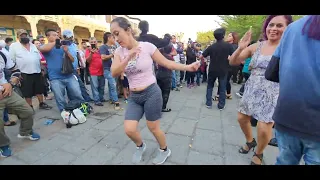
<point>73,117</point>
<point>75,113</point>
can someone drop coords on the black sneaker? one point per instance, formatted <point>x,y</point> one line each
<point>44,106</point>
<point>117,106</point>
<point>98,104</point>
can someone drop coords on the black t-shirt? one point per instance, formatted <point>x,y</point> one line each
<point>219,53</point>
<point>163,72</point>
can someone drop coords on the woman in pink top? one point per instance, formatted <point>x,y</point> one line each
<point>136,60</point>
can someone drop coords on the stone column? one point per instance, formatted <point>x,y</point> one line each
<point>34,30</point>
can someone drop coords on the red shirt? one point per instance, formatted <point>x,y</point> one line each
<point>95,65</point>
<point>43,60</point>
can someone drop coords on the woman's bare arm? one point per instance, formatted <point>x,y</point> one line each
<point>240,55</point>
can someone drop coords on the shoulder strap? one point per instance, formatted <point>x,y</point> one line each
<point>4,57</point>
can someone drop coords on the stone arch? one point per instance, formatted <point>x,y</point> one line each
<point>81,34</point>
<point>11,23</point>
<point>98,34</point>
<point>43,25</point>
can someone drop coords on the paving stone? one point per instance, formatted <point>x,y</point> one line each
<point>125,156</point>
<point>84,142</point>
<point>190,113</point>
<point>183,127</point>
<point>197,158</point>
<point>207,141</point>
<point>56,157</point>
<point>42,148</point>
<point>99,154</point>
<point>210,123</point>
<point>12,161</point>
<point>233,157</point>
<point>116,139</point>
<point>179,146</point>
<point>108,125</point>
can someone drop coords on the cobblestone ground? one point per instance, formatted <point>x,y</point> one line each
<point>196,135</point>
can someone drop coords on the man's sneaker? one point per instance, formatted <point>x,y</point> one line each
<point>181,86</point>
<point>33,137</point>
<point>126,101</point>
<point>117,106</point>
<point>209,107</point>
<point>221,108</point>
<point>5,151</point>
<point>161,156</point>
<point>137,156</point>
<point>44,106</point>
<point>98,104</point>
<point>239,94</point>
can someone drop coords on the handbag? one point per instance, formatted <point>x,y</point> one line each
<point>272,71</point>
<point>67,66</point>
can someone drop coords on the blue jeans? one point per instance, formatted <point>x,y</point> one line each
<point>97,87</point>
<point>59,87</point>
<point>222,78</point>
<point>198,75</point>
<point>174,79</point>
<point>83,88</point>
<point>112,85</point>
<point>5,115</point>
<point>292,149</point>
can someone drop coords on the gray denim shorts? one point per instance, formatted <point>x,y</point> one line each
<point>148,102</point>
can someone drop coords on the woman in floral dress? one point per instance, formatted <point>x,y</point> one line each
<point>260,95</point>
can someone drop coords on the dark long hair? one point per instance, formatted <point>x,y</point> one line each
<point>269,18</point>
<point>312,27</point>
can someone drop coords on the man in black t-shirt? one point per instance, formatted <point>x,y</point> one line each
<point>218,67</point>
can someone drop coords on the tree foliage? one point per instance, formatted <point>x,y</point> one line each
<point>240,24</point>
<point>204,38</point>
<point>179,36</point>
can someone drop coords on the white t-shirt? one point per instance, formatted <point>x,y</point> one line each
<point>83,57</point>
<point>27,61</point>
<point>177,57</point>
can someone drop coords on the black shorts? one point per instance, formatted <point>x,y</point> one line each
<point>32,84</point>
<point>125,82</point>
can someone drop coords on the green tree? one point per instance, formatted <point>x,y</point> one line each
<point>205,37</point>
<point>242,23</point>
<point>179,36</point>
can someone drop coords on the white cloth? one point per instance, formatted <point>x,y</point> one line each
<point>177,57</point>
<point>28,61</point>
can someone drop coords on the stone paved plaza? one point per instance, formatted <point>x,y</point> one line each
<point>196,135</point>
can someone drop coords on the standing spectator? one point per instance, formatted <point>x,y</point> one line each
<point>77,63</point>
<point>8,41</point>
<point>295,65</point>
<point>27,58</point>
<point>44,71</point>
<point>107,54</point>
<point>93,57</point>
<point>60,83</point>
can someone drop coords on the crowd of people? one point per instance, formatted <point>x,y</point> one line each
<point>147,68</point>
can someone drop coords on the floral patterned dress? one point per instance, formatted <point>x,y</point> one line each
<point>260,95</point>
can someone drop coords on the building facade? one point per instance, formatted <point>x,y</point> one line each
<point>132,19</point>
<point>83,26</point>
